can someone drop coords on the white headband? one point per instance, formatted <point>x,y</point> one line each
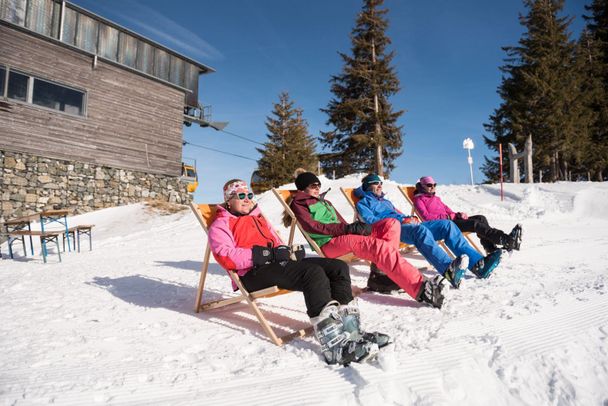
<point>231,188</point>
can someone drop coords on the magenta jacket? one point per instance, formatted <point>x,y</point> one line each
<point>431,207</point>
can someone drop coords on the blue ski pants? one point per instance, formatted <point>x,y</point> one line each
<point>424,237</point>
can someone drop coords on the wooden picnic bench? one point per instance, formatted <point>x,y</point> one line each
<point>76,232</point>
<point>45,236</point>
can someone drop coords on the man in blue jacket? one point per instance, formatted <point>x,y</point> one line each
<point>373,207</point>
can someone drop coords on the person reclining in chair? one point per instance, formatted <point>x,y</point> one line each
<point>241,240</point>
<point>374,208</point>
<point>376,243</point>
<point>430,207</point>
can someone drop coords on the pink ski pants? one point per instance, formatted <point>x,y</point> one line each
<point>382,248</point>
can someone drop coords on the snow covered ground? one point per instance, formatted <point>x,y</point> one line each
<point>116,325</point>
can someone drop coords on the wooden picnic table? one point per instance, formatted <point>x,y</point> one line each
<point>16,230</point>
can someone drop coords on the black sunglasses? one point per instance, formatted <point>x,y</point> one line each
<point>431,184</point>
<point>315,186</point>
<point>242,195</point>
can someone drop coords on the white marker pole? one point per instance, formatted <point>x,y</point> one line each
<point>468,145</point>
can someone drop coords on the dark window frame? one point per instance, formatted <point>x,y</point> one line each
<point>30,92</point>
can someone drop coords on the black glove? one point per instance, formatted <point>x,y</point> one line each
<point>281,254</point>
<point>358,227</point>
<point>261,255</point>
<point>267,255</point>
<point>299,252</point>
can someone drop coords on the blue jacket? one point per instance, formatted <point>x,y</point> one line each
<point>374,208</point>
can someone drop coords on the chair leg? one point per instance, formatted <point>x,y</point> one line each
<point>468,237</point>
<point>256,310</point>
<point>201,282</point>
<point>447,250</point>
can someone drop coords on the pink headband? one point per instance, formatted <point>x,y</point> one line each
<point>231,188</point>
<point>427,179</point>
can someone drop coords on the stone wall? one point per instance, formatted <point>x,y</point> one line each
<point>29,184</point>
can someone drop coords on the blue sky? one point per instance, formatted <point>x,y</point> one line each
<point>447,59</point>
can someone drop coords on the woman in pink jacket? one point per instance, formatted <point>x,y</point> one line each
<point>431,207</point>
<point>242,240</point>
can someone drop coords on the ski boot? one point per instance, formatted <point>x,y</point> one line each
<point>484,267</point>
<point>379,282</point>
<point>430,292</point>
<point>456,270</point>
<point>514,239</point>
<point>337,345</point>
<point>352,322</point>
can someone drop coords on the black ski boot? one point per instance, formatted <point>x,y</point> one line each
<point>379,282</point>
<point>430,292</point>
<point>514,239</point>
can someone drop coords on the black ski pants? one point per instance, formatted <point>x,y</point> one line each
<point>488,236</point>
<point>320,279</point>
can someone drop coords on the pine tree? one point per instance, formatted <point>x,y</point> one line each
<point>289,145</point>
<point>539,92</point>
<point>594,45</point>
<point>365,135</point>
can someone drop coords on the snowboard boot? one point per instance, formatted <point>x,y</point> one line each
<point>379,282</point>
<point>456,270</point>
<point>352,324</point>
<point>514,239</point>
<point>336,344</point>
<point>484,267</point>
<point>430,292</point>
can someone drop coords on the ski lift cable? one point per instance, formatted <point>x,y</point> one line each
<point>241,137</point>
<point>217,150</point>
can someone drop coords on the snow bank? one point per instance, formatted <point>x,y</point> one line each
<point>115,325</point>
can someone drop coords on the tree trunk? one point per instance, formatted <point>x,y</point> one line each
<point>378,135</point>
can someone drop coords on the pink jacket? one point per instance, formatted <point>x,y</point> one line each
<point>431,207</point>
<point>232,237</point>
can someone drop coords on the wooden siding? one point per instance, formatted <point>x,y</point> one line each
<point>125,112</point>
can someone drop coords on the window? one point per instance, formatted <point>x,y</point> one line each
<point>29,89</point>
<point>86,35</point>
<point>17,86</point>
<point>108,42</point>
<point>145,57</point>
<point>2,79</point>
<point>128,49</point>
<point>161,64</point>
<point>13,11</point>
<point>177,71</point>
<point>52,96</point>
<point>39,16</point>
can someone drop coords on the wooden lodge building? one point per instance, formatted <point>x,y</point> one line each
<point>91,114</point>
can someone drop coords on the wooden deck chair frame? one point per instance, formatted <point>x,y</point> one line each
<point>283,195</point>
<point>408,193</point>
<point>349,194</point>
<point>205,214</point>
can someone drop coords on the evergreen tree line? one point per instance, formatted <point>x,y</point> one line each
<point>555,89</point>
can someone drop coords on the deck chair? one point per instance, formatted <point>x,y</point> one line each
<point>408,193</point>
<point>284,197</point>
<point>349,194</point>
<point>205,214</point>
